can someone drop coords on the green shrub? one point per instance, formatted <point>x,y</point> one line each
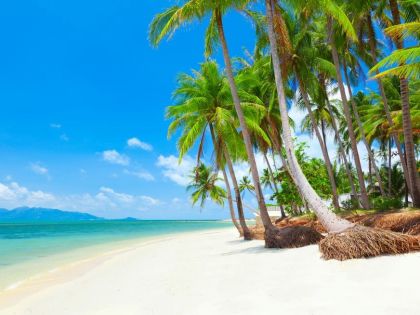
<point>386,203</point>
<point>349,204</point>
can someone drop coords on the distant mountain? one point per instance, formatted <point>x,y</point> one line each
<point>44,214</point>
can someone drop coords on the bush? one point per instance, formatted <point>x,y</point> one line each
<point>349,204</point>
<point>386,203</point>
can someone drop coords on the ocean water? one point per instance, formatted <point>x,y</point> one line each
<point>29,249</point>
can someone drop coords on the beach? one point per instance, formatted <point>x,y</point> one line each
<point>215,272</point>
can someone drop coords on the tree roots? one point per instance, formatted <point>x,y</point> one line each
<point>291,237</point>
<point>360,241</point>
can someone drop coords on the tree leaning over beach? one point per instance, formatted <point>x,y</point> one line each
<point>169,21</point>
<point>204,106</point>
<point>345,240</point>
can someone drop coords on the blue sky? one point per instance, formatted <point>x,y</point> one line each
<point>78,79</point>
<point>83,96</point>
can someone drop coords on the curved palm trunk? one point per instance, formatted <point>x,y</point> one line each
<point>363,193</point>
<point>328,219</point>
<point>341,147</point>
<point>247,233</point>
<point>413,176</point>
<point>371,34</point>
<point>245,133</point>
<point>230,201</point>
<point>322,145</point>
<point>362,133</point>
<point>243,227</point>
<point>389,167</point>
<point>274,184</point>
<point>287,168</point>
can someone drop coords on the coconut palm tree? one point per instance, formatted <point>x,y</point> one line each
<point>364,23</point>
<point>246,185</point>
<point>349,31</point>
<point>330,221</point>
<point>169,21</point>
<point>412,173</point>
<point>350,236</point>
<point>204,186</point>
<point>303,60</point>
<point>203,105</point>
<point>354,65</point>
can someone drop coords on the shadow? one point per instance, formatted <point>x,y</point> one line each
<point>256,250</point>
<point>237,241</point>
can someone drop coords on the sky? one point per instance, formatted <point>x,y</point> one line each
<point>83,95</point>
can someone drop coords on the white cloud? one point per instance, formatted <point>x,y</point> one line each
<point>176,200</point>
<point>106,193</point>
<point>150,201</point>
<point>106,202</point>
<point>13,195</point>
<point>113,157</point>
<point>177,172</point>
<point>55,126</point>
<point>137,143</point>
<point>64,137</point>
<point>39,169</point>
<point>141,174</point>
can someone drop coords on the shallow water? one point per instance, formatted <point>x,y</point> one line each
<point>28,249</point>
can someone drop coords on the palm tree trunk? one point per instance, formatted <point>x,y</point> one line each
<point>247,233</point>
<point>226,180</point>
<point>340,146</point>
<point>230,202</point>
<point>287,168</point>
<point>390,166</point>
<point>323,147</point>
<point>413,175</point>
<point>328,219</point>
<point>274,185</point>
<point>371,34</point>
<point>324,136</point>
<point>363,193</point>
<point>370,171</point>
<point>245,133</point>
<point>362,131</point>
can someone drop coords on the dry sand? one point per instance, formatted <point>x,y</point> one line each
<point>215,273</point>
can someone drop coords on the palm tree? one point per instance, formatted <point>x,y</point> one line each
<point>364,23</point>
<point>334,114</point>
<point>246,185</point>
<point>329,220</point>
<point>303,60</point>
<point>257,89</point>
<point>204,105</point>
<point>413,176</point>
<point>204,186</point>
<point>407,60</point>
<point>169,21</point>
<point>354,100</point>
<point>347,28</point>
<point>351,63</point>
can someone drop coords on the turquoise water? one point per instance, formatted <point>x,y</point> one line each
<point>27,249</point>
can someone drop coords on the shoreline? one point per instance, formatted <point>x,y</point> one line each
<point>215,272</point>
<point>22,288</point>
<point>37,256</point>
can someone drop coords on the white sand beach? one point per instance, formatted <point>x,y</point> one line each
<point>214,272</point>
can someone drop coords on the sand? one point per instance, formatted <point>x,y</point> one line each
<point>214,272</point>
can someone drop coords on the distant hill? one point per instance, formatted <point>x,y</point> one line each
<point>44,214</point>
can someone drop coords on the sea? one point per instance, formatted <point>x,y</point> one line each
<point>32,248</point>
